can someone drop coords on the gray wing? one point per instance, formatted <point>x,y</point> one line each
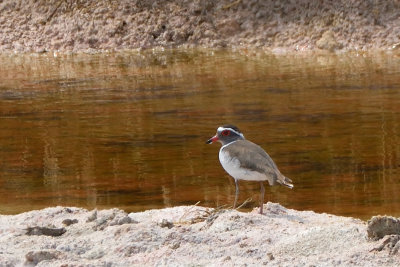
<point>254,157</point>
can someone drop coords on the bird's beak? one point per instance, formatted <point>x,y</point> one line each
<point>212,140</point>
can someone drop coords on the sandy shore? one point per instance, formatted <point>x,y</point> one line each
<point>190,235</point>
<point>193,235</point>
<point>306,25</point>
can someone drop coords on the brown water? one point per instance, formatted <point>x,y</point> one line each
<point>128,130</point>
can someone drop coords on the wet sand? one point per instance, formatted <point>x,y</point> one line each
<point>277,26</point>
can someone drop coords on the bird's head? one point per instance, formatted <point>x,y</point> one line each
<point>226,134</point>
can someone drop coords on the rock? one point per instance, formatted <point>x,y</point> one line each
<point>166,223</point>
<point>37,256</point>
<point>106,218</point>
<point>124,220</point>
<point>379,226</point>
<point>45,231</point>
<point>92,216</point>
<point>95,254</point>
<point>68,222</point>
<point>175,245</point>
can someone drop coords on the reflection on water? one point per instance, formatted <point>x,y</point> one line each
<point>128,130</point>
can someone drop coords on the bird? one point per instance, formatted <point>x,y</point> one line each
<point>245,160</point>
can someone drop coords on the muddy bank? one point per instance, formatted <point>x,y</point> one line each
<point>186,235</point>
<point>75,25</point>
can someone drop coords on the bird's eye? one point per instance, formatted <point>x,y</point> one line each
<point>226,133</point>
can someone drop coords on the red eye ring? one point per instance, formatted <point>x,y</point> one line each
<point>226,133</point>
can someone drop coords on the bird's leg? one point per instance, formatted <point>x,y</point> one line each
<point>236,193</point>
<point>262,197</point>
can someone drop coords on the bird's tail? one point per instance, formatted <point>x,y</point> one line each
<point>283,180</point>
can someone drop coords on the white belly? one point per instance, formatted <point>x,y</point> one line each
<point>232,166</point>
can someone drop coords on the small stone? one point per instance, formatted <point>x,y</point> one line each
<point>101,221</point>
<point>175,245</point>
<point>94,254</point>
<point>68,222</point>
<point>37,230</point>
<point>270,256</point>
<point>37,256</point>
<point>92,216</point>
<point>166,223</point>
<point>125,220</point>
<point>68,210</point>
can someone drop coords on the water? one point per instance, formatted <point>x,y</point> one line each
<point>128,130</point>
